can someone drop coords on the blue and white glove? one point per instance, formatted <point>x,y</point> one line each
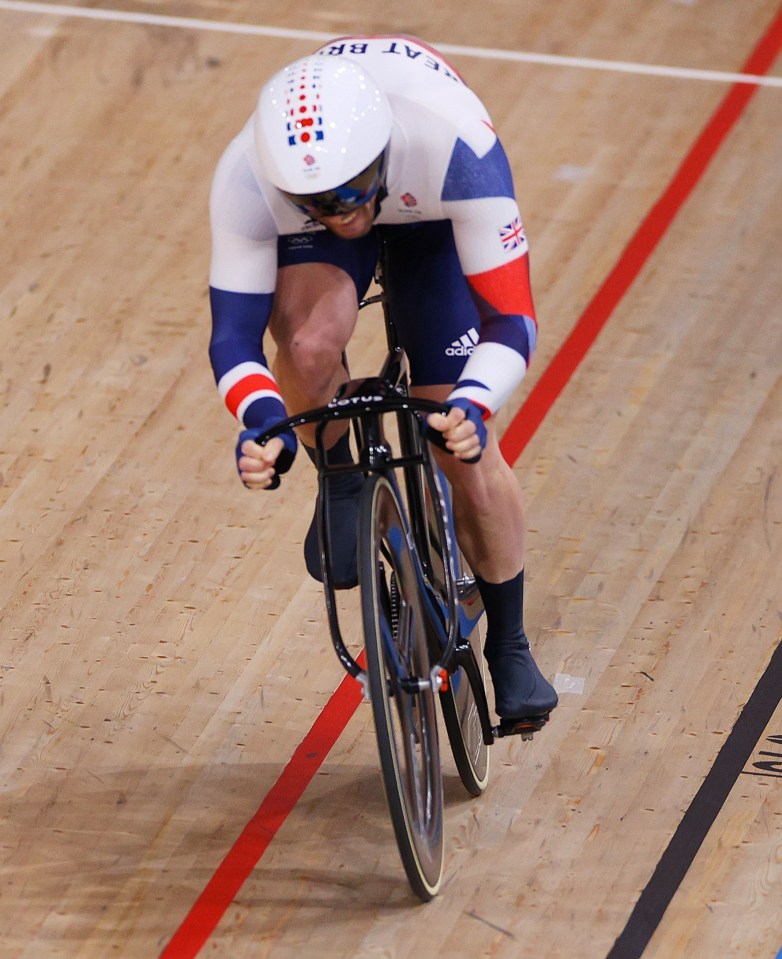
<point>473,413</point>
<point>287,454</point>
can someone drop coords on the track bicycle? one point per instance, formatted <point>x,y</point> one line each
<point>420,606</point>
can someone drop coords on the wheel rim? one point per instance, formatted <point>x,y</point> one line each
<point>460,711</point>
<point>405,718</point>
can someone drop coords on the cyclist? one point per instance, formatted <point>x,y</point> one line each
<point>375,134</point>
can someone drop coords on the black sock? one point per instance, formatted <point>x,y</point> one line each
<point>340,454</point>
<point>504,605</point>
<point>520,689</point>
<point>342,492</point>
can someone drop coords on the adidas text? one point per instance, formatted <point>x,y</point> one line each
<point>464,345</point>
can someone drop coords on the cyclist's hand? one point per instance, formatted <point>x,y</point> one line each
<point>260,466</point>
<point>462,431</point>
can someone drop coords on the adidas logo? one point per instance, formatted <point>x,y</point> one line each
<point>464,345</point>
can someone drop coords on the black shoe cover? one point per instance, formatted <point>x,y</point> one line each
<point>520,689</point>
<point>344,492</point>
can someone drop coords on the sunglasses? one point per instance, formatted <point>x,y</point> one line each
<point>346,198</point>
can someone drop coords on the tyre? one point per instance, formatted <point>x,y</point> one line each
<point>395,632</point>
<point>458,702</point>
<point>463,723</point>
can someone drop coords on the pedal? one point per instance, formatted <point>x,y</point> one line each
<point>526,726</point>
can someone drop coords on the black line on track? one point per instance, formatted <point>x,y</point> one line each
<point>703,810</point>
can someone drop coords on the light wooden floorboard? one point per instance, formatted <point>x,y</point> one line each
<point>162,652</point>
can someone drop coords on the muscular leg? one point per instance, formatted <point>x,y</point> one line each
<point>488,506</point>
<point>315,310</point>
<point>312,321</point>
<point>489,518</point>
<point>489,513</point>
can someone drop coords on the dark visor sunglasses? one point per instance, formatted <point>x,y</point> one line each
<point>346,198</point>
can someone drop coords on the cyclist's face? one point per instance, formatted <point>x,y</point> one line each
<point>350,226</point>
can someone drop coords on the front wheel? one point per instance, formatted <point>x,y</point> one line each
<point>403,702</point>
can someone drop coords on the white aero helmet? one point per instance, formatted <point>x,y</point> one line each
<point>322,128</point>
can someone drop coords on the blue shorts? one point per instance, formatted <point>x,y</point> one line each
<point>429,298</point>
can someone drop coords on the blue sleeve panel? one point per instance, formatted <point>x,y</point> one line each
<point>239,322</point>
<point>470,177</point>
<point>512,331</point>
<point>515,331</point>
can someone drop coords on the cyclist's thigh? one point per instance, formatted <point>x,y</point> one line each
<point>430,301</point>
<point>320,281</point>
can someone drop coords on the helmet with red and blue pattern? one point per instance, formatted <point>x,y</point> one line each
<point>322,128</point>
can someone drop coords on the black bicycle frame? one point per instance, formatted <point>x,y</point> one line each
<point>365,402</point>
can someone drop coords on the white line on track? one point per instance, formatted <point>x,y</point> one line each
<point>517,56</point>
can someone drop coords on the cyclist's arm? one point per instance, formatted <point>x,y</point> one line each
<point>242,277</point>
<point>243,378</point>
<point>478,197</point>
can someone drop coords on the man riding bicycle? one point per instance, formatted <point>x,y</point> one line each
<point>375,134</point>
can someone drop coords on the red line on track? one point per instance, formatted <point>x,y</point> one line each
<point>281,799</point>
<point>557,374</point>
<point>243,856</point>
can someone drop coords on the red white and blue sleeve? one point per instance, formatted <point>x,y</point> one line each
<point>241,290</point>
<point>478,197</point>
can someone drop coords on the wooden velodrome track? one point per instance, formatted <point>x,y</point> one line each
<point>163,656</point>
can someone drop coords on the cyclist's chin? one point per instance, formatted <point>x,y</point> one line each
<point>353,225</point>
